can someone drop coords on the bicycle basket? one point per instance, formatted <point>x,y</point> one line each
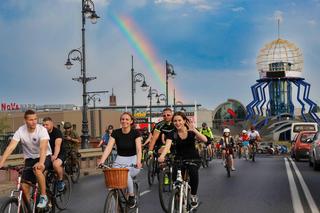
<point>116,178</point>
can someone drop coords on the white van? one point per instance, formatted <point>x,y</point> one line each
<point>303,126</point>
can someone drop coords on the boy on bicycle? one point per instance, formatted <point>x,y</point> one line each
<point>37,154</point>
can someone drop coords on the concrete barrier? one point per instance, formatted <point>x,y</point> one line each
<point>89,158</point>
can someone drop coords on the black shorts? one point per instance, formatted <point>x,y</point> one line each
<point>62,157</point>
<point>28,174</point>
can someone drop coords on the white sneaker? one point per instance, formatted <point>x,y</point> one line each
<point>194,201</point>
<point>43,201</point>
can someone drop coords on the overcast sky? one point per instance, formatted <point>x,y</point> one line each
<point>212,44</point>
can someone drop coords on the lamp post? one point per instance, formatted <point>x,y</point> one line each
<point>88,11</point>
<point>169,73</point>
<point>135,78</point>
<point>182,108</point>
<point>155,93</point>
<point>161,97</point>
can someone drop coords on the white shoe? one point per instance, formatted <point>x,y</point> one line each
<point>43,201</point>
<point>233,169</point>
<point>194,201</point>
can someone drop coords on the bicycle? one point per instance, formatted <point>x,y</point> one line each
<point>228,161</point>
<point>61,198</point>
<point>153,169</point>
<point>116,180</point>
<point>72,165</point>
<point>180,200</point>
<point>205,156</point>
<point>165,183</point>
<point>253,151</point>
<point>17,201</point>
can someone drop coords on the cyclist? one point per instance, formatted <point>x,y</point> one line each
<point>206,131</point>
<point>160,131</point>
<point>105,138</point>
<point>58,156</point>
<point>244,138</point>
<point>70,137</point>
<point>227,142</point>
<point>37,154</point>
<point>128,142</point>
<point>184,137</point>
<point>254,137</point>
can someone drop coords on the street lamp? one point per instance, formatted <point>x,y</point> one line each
<point>135,78</point>
<point>161,97</point>
<point>182,108</point>
<point>169,73</point>
<point>150,94</point>
<point>87,11</point>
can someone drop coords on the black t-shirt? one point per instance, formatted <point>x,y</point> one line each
<point>184,148</point>
<point>164,128</point>
<point>56,133</point>
<point>126,143</point>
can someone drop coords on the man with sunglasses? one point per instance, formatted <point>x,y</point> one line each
<point>160,131</point>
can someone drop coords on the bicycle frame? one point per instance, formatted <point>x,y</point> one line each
<point>21,197</point>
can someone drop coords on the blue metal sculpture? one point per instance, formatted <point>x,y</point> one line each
<point>280,66</point>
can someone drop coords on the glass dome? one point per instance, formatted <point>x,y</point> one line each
<point>280,58</point>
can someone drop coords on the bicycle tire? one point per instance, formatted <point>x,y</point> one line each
<point>111,204</point>
<point>162,194</point>
<point>206,158</point>
<point>75,171</point>
<point>13,201</point>
<point>151,172</point>
<point>174,206</point>
<point>65,195</point>
<point>228,165</point>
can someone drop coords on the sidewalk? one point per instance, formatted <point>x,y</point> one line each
<point>5,188</point>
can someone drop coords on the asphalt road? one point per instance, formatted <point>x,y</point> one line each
<point>262,186</point>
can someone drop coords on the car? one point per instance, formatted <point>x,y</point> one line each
<point>301,145</point>
<point>263,147</point>
<point>314,157</point>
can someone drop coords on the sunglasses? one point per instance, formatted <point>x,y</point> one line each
<point>167,115</point>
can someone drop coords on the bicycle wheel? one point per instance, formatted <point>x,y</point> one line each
<point>206,157</point>
<point>165,188</point>
<point>111,204</point>
<point>10,205</point>
<point>228,165</point>
<point>151,171</point>
<point>174,203</point>
<point>75,171</point>
<point>62,199</point>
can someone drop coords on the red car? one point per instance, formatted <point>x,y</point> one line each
<point>301,145</point>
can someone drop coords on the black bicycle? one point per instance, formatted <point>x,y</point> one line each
<point>153,169</point>
<point>72,165</point>
<point>61,198</point>
<point>165,182</point>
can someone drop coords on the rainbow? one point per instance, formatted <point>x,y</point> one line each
<point>143,49</point>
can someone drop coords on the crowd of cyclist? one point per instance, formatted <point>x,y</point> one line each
<point>46,146</point>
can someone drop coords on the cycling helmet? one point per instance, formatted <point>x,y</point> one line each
<point>226,130</point>
<point>67,125</point>
<point>204,124</point>
<point>244,131</point>
<point>110,127</point>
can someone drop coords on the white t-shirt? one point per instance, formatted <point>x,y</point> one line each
<point>31,141</point>
<point>253,135</point>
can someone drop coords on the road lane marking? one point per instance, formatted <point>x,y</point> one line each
<point>145,192</point>
<point>296,201</point>
<point>312,205</point>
